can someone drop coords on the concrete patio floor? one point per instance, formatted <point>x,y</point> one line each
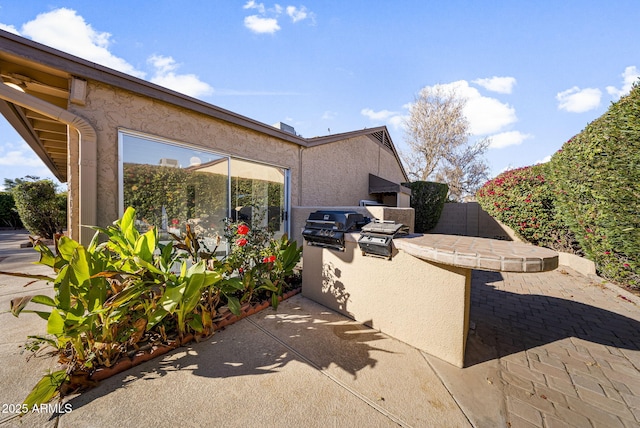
<point>546,350</point>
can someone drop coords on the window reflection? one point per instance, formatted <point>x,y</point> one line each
<point>168,187</point>
<point>171,185</point>
<point>257,195</point>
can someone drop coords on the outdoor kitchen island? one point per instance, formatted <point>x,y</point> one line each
<point>422,295</point>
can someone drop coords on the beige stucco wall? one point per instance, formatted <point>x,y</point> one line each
<point>335,173</point>
<point>108,109</point>
<point>420,303</point>
<point>338,173</point>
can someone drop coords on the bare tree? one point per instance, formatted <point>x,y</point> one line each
<point>465,170</point>
<point>437,133</point>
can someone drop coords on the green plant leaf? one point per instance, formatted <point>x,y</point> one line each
<point>127,226</point>
<point>43,300</point>
<point>55,323</point>
<point>67,247</point>
<point>63,288</point>
<point>196,323</point>
<point>125,295</point>
<point>172,297</point>
<point>234,305</point>
<point>47,257</point>
<point>232,284</point>
<point>146,245</point>
<point>80,266</point>
<point>155,317</point>
<point>47,388</point>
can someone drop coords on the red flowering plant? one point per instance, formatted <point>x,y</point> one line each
<point>524,200</point>
<point>260,265</point>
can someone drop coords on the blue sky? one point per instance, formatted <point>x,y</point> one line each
<point>534,73</point>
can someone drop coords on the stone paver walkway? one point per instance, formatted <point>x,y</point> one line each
<point>561,349</point>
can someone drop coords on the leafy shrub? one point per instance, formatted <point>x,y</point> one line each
<point>525,200</point>
<point>598,175</point>
<point>9,216</point>
<point>428,199</point>
<point>41,210</point>
<point>131,291</point>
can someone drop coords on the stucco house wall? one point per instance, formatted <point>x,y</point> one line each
<point>110,109</point>
<point>337,174</point>
<point>84,105</point>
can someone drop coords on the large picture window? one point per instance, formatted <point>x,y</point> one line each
<point>171,185</point>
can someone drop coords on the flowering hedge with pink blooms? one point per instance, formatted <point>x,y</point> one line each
<point>524,200</point>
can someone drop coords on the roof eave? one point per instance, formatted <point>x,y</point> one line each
<point>37,52</point>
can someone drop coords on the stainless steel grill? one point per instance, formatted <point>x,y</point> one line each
<point>376,238</point>
<point>327,228</point>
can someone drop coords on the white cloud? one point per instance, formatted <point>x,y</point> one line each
<point>266,21</point>
<point>9,28</point>
<point>19,155</point>
<point>251,4</point>
<point>188,84</point>
<point>629,76</point>
<point>576,100</point>
<point>397,121</point>
<point>543,160</point>
<point>502,85</point>
<point>509,138</point>
<point>261,25</point>
<point>64,29</point>
<point>381,115</point>
<point>329,115</point>
<point>394,118</point>
<point>485,115</point>
<point>297,14</point>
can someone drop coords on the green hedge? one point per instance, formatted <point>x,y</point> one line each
<point>525,200</point>
<point>9,216</point>
<point>427,198</point>
<point>42,211</point>
<point>598,175</point>
<point>184,194</point>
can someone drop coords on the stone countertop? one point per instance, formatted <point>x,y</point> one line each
<point>479,253</point>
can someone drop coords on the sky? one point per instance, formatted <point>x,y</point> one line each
<point>533,73</point>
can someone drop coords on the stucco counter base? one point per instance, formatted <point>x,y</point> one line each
<point>414,298</point>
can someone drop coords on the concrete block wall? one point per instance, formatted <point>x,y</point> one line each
<point>469,219</point>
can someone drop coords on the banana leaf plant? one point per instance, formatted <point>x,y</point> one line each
<point>129,288</point>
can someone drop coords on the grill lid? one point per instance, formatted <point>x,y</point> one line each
<point>327,228</point>
<point>385,227</point>
<point>344,221</point>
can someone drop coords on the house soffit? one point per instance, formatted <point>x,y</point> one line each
<point>46,136</point>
